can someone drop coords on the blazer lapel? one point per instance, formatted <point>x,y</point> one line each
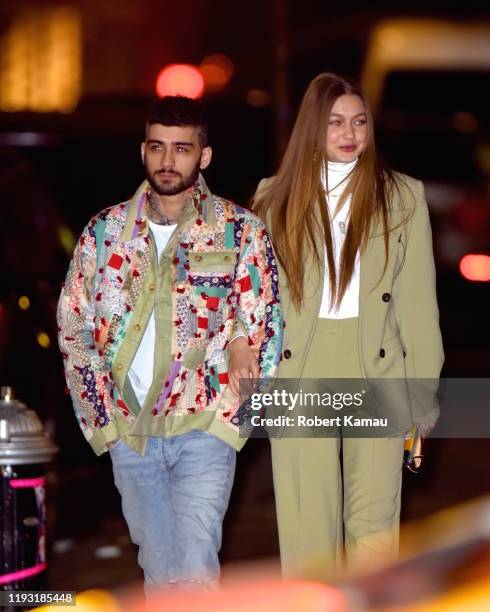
<point>371,266</point>
<point>372,260</point>
<point>314,274</point>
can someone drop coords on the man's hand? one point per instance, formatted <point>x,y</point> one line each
<point>241,363</point>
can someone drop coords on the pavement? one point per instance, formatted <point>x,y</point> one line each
<point>89,545</point>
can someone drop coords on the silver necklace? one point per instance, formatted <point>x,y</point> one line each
<point>342,225</point>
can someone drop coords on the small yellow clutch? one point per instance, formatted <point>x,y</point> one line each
<point>412,453</point>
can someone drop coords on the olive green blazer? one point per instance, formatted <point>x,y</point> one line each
<point>399,335</point>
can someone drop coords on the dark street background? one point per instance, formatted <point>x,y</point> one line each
<point>57,168</point>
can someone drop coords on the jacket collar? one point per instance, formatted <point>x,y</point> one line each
<point>199,204</point>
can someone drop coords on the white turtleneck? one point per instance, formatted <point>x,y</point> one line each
<point>337,181</point>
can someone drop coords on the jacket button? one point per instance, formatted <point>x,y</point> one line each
<point>227,258</point>
<point>119,366</point>
<point>386,297</point>
<point>287,354</point>
<point>136,327</point>
<point>382,353</point>
<point>198,258</point>
<point>151,287</point>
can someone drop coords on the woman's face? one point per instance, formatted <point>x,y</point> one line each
<point>347,129</point>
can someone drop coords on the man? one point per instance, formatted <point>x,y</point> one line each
<point>163,298</point>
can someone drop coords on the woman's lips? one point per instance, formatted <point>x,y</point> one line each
<point>348,148</point>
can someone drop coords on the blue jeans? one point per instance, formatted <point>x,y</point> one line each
<point>174,500</point>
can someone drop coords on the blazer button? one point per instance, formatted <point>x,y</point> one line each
<point>382,353</point>
<point>198,258</point>
<point>227,258</point>
<point>287,354</point>
<point>386,297</point>
<point>137,327</point>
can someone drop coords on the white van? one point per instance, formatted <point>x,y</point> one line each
<point>428,83</point>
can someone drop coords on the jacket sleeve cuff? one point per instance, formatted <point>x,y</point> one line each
<point>237,331</point>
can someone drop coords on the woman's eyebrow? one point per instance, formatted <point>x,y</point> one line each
<point>342,114</point>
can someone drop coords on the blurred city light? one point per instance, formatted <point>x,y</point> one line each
<point>43,340</point>
<point>217,70</point>
<point>391,39</point>
<point>28,139</point>
<point>259,596</point>
<point>482,152</point>
<point>475,267</point>
<point>258,98</point>
<point>95,600</point>
<point>40,65</point>
<point>180,79</point>
<point>67,239</point>
<point>465,123</point>
<point>108,552</point>
<point>60,547</point>
<point>417,44</point>
<point>24,302</point>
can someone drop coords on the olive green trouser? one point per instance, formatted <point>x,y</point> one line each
<point>336,498</point>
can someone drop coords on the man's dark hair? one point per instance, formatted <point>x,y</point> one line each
<point>182,111</point>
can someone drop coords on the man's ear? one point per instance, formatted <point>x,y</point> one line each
<point>143,144</point>
<point>206,156</point>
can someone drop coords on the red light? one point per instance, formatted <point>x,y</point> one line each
<point>216,70</point>
<point>475,267</point>
<point>180,79</point>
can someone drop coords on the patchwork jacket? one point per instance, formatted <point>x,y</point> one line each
<point>217,273</point>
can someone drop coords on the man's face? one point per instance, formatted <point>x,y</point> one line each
<point>173,157</point>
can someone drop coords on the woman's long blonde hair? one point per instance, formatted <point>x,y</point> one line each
<point>295,200</point>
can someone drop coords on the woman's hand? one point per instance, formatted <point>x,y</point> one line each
<point>242,363</point>
<point>425,428</point>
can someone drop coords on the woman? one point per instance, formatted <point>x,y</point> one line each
<point>357,281</point>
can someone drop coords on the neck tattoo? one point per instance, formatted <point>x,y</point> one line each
<point>155,214</point>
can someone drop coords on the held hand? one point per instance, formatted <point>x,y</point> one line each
<point>241,363</point>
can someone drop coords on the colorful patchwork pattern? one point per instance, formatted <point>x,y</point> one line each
<point>106,280</point>
<point>223,280</point>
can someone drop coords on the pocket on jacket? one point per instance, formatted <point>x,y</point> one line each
<point>207,263</point>
<point>393,341</point>
<point>391,362</point>
<point>211,276</point>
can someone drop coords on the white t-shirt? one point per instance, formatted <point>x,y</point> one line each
<point>141,370</point>
<point>349,306</point>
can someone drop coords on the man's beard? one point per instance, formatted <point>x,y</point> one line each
<point>173,189</point>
